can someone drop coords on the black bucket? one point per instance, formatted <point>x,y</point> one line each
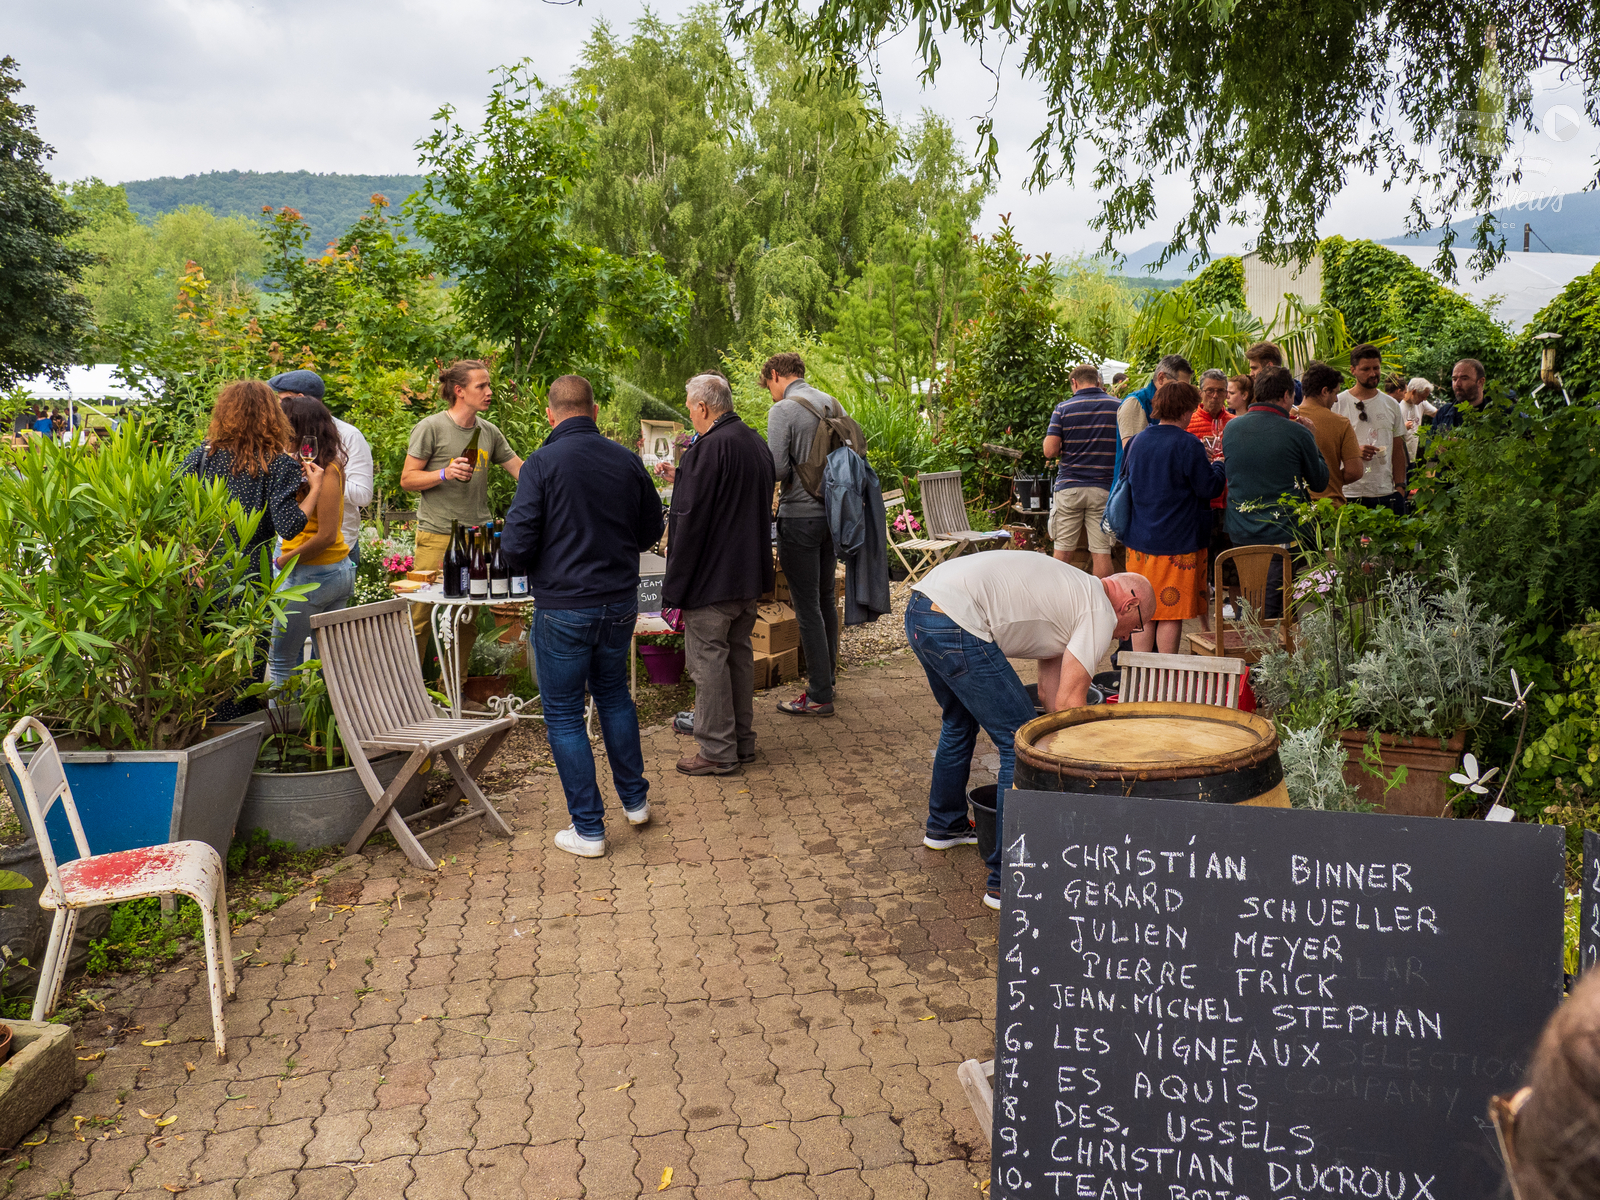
<point>982,800</point>
<point>1095,696</point>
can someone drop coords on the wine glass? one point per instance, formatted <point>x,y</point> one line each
<point>308,448</point>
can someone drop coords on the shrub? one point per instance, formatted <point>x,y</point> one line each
<point>127,608</point>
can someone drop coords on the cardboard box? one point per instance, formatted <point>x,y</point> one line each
<point>775,669</point>
<point>776,629</point>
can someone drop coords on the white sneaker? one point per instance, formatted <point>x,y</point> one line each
<point>583,847</point>
<point>638,816</point>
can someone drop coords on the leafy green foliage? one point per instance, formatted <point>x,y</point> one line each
<point>1575,315</point>
<point>127,607</point>
<point>1515,495</point>
<point>494,207</point>
<point>1217,335</point>
<point>1568,750</point>
<point>1384,295</point>
<point>1422,96</point>
<point>310,743</point>
<point>1097,308</point>
<point>1221,282</point>
<point>753,188</point>
<point>138,266</point>
<point>1011,366</point>
<point>43,318</point>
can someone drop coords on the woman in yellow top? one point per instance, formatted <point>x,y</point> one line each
<point>318,553</point>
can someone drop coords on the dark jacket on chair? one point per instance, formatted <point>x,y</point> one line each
<point>719,532</point>
<point>585,509</point>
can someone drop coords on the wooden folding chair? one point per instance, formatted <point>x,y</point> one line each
<point>1227,637</point>
<point>1180,678</point>
<point>946,511</point>
<point>929,552</point>
<point>369,661</point>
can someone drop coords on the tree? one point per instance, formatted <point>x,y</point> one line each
<point>43,318</point>
<point>1268,108</point>
<point>1011,366</point>
<point>750,187</point>
<point>138,265</point>
<point>494,207</point>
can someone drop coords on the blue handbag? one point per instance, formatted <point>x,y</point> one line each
<point>1119,505</point>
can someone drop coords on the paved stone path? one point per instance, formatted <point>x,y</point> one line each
<point>766,990</point>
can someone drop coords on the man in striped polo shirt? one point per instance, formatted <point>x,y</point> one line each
<point>1083,434</point>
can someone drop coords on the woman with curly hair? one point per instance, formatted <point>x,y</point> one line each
<point>317,554</point>
<point>247,447</point>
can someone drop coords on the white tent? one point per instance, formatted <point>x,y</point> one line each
<point>83,383</point>
<point>1524,282</point>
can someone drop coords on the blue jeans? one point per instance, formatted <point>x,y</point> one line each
<point>335,583</point>
<point>975,686</point>
<point>578,649</point>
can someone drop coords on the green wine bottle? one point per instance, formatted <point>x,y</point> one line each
<point>471,452</point>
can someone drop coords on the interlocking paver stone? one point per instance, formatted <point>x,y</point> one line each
<point>767,990</point>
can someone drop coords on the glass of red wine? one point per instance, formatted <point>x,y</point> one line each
<point>308,448</point>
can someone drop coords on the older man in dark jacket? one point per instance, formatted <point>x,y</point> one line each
<point>585,508</point>
<point>719,562</point>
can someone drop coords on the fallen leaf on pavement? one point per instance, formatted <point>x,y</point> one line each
<point>150,1115</point>
<point>190,1067</point>
<point>929,1017</point>
<point>622,1087</point>
<point>666,1179</point>
<point>91,1057</point>
<point>157,1042</point>
<point>165,1121</point>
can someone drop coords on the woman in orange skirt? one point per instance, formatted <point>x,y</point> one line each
<point>1172,482</point>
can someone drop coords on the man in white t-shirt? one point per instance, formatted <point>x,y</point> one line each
<point>965,619</point>
<point>1380,431</point>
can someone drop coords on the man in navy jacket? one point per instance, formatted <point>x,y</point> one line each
<point>585,509</point>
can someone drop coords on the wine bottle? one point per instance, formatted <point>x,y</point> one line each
<point>471,452</point>
<point>499,578</point>
<point>478,568</point>
<point>455,576</point>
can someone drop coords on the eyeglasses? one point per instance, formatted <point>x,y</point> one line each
<point>1361,407</point>
<point>1138,608</point>
<point>1503,1112</point>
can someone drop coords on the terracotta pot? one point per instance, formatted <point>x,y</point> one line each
<point>1427,766</point>
<point>480,687</point>
<point>5,1042</point>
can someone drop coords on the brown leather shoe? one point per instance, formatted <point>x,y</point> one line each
<point>697,765</point>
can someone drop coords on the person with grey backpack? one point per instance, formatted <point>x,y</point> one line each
<point>804,425</point>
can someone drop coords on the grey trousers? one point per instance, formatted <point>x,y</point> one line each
<point>722,665</point>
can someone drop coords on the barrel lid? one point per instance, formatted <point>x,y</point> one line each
<point>1163,739</point>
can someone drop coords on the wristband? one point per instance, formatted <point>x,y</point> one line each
<point>441,474</point>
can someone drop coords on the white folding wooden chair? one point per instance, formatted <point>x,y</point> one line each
<point>928,552</point>
<point>945,508</point>
<point>187,868</point>
<point>1180,678</point>
<point>369,661</point>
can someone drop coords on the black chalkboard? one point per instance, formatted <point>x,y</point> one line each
<point>1215,1002</point>
<point>1589,903</point>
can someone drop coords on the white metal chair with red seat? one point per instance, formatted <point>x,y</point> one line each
<point>191,869</point>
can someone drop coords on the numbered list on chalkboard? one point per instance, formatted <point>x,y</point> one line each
<point>1213,1002</point>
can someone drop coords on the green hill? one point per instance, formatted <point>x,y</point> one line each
<point>329,203</point>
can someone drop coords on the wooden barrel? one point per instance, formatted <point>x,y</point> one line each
<point>1168,751</point>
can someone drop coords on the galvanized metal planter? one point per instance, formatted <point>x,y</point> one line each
<point>320,808</point>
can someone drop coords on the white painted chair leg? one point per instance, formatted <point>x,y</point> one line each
<point>44,997</point>
<point>63,953</point>
<point>208,919</point>
<point>225,936</point>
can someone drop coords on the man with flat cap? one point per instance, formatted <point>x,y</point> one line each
<point>358,455</point>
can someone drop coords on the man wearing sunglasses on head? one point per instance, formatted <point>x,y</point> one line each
<point>1380,429</point>
<point>965,619</point>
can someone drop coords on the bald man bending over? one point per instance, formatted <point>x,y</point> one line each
<point>967,617</point>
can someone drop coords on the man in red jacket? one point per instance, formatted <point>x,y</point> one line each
<point>719,562</point>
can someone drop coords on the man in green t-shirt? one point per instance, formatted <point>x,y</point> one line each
<point>449,486</point>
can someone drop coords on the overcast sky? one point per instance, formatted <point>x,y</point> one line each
<point>175,87</point>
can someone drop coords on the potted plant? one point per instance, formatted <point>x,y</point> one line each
<point>663,656</point>
<point>303,789</point>
<point>1402,680</point>
<point>489,668</point>
<point>127,610</point>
